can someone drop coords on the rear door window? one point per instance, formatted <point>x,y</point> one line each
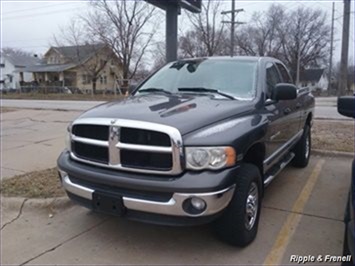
<point>284,73</point>
<point>272,78</point>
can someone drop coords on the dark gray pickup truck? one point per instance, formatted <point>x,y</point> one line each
<point>196,142</point>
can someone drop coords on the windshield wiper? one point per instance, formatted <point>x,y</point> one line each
<point>202,89</point>
<point>154,90</point>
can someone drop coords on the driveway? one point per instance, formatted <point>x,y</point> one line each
<point>301,215</point>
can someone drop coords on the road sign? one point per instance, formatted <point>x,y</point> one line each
<point>191,5</point>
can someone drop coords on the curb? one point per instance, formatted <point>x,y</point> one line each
<point>61,203</point>
<point>333,153</point>
<point>344,119</point>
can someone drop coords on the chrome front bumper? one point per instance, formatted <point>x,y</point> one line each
<point>215,201</point>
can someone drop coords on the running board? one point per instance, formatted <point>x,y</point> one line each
<point>282,164</point>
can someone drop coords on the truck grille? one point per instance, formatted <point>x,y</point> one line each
<point>127,145</point>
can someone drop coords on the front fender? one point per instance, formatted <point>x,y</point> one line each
<point>240,133</point>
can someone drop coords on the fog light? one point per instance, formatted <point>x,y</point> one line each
<point>198,203</point>
<point>194,206</point>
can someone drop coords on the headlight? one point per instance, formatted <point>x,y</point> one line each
<point>68,138</point>
<point>198,158</point>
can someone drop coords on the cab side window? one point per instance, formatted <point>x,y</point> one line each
<point>272,78</point>
<point>284,73</point>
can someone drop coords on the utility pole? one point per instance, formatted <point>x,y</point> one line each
<point>344,49</point>
<point>232,28</point>
<point>298,58</point>
<point>233,12</point>
<point>331,52</point>
<point>298,63</point>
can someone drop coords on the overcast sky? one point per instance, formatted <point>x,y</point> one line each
<point>30,25</point>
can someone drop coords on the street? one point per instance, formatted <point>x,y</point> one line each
<point>325,107</point>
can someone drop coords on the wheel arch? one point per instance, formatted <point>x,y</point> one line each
<point>255,155</point>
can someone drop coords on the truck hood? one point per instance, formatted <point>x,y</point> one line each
<point>186,112</point>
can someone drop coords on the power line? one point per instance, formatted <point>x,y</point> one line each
<point>33,8</point>
<point>28,40</point>
<point>38,14</point>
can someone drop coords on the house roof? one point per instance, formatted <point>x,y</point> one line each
<point>20,60</point>
<point>49,68</point>
<point>78,53</point>
<point>311,74</point>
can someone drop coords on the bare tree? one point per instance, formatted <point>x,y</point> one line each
<point>159,56</point>
<point>262,35</point>
<point>17,52</point>
<point>207,36</point>
<point>287,35</point>
<point>305,36</point>
<point>121,24</point>
<point>86,52</point>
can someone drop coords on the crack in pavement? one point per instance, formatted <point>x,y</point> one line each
<point>66,241</point>
<point>305,214</point>
<point>17,217</point>
<point>22,119</point>
<point>44,121</point>
<point>7,168</point>
<point>32,143</point>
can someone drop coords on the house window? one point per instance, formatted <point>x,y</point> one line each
<point>313,83</point>
<point>103,79</point>
<point>2,65</point>
<point>86,79</point>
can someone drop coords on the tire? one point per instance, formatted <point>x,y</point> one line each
<point>302,149</point>
<point>235,226</point>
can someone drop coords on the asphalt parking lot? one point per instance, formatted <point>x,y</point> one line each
<point>302,214</point>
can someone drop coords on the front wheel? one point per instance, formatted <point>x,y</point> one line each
<point>302,149</point>
<point>238,225</point>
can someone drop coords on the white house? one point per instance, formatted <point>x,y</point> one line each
<point>314,79</point>
<point>12,69</point>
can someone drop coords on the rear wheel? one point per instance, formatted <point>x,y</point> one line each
<point>302,149</point>
<point>238,225</point>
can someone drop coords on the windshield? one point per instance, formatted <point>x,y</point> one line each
<point>237,78</point>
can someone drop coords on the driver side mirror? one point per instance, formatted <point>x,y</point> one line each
<point>284,91</point>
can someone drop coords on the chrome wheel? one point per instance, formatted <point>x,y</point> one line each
<point>251,208</point>
<point>308,146</point>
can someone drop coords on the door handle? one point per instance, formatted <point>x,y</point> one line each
<point>298,105</point>
<point>287,111</point>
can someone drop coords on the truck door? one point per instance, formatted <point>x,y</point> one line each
<point>294,105</point>
<point>281,118</point>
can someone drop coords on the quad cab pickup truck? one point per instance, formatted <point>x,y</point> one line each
<point>196,142</point>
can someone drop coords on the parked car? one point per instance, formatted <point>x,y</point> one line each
<point>346,107</point>
<point>196,142</point>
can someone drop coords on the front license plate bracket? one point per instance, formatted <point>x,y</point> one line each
<point>108,203</point>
